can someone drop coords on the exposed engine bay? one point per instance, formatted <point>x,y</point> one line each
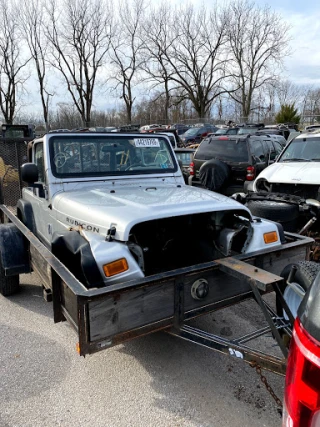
<point>305,191</point>
<point>176,242</point>
<point>295,213</point>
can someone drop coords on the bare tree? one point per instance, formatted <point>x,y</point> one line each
<point>156,35</point>
<point>126,52</point>
<point>310,105</point>
<point>258,40</point>
<point>192,47</point>
<point>288,92</point>
<point>32,22</point>
<point>66,116</point>
<point>79,34</point>
<point>12,60</point>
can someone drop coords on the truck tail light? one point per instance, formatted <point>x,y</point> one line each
<point>302,388</point>
<point>251,172</point>
<point>191,168</point>
<point>115,267</point>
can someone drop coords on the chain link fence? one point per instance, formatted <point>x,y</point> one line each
<point>13,153</point>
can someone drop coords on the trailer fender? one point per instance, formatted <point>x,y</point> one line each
<point>74,251</point>
<point>25,214</point>
<point>13,251</point>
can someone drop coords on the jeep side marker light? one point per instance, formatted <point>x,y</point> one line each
<point>115,267</point>
<point>270,237</point>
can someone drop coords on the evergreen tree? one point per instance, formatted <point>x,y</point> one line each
<point>288,114</point>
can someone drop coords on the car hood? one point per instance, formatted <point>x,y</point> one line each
<point>98,209</point>
<point>291,173</point>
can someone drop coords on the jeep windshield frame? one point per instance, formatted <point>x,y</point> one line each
<point>85,155</point>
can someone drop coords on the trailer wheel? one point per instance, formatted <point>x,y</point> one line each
<point>9,285</point>
<point>303,279</point>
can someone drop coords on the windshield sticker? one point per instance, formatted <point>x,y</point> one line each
<point>146,142</point>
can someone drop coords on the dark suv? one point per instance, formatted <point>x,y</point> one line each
<point>195,134</point>
<point>227,164</point>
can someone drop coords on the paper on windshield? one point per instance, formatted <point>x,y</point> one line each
<point>146,142</point>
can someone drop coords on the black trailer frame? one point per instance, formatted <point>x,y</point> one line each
<point>111,315</point>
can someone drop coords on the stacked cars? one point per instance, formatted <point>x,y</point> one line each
<point>289,190</point>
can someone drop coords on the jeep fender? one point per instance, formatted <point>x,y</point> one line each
<point>13,251</point>
<point>74,251</point>
<point>25,214</point>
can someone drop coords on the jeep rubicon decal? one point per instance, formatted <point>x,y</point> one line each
<point>86,227</point>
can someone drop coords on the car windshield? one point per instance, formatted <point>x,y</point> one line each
<point>192,131</point>
<point>302,149</point>
<point>172,139</point>
<point>245,131</point>
<point>85,155</point>
<point>222,148</point>
<point>185,157</point>
<point>221,131</point>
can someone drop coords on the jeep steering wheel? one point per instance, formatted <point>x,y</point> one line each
<point>161,158</point>
<point>133,165</point>
<point>60,160</point>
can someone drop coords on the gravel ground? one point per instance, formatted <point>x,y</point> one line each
<point>157,380</point>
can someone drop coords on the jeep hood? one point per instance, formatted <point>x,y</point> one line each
<point>97,209</point>
<point>292,173</point>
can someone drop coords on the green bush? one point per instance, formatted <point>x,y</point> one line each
<point>288,113</point>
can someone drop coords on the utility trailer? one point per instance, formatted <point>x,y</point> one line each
<point>106,317</point>
<point>115,312</point>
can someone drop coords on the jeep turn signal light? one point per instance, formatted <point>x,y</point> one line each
<point>270,237</point>
<point>115,267</point>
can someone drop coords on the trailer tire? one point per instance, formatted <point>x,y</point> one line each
<point>284,213</point>
<point>307,271</point>
<point>9,285</point>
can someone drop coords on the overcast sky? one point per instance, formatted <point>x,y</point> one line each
<point>302,67</point>
<point>303,17</point>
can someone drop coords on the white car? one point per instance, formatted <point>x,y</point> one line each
<point>149,127</point>
<point>296,171</point>
<point>311,128</point>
